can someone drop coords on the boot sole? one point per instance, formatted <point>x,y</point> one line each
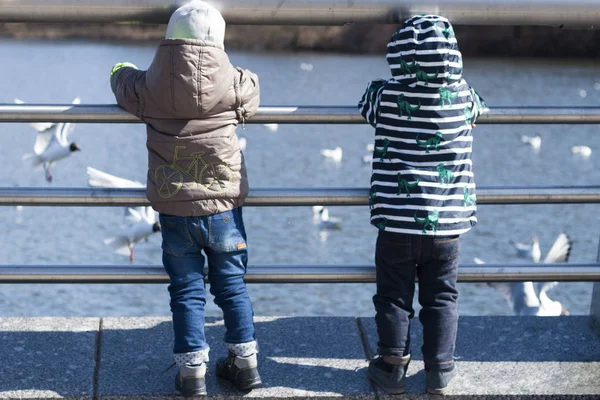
<point>398,390</point>
<point>437,391</point>
<point>249,384</point>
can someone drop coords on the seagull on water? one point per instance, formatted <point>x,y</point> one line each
<point>144,222</point>
<point>583,151</point>
<point>535,141</point>
<point>531,298</point>
<point>334,154</point>
<point>327,223</point>
<point>272,127</point>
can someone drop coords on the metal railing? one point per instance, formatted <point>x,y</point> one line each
<point>569,13</point>
<point>272,273</point>
<point>572,13</point>
<point>110,113</point>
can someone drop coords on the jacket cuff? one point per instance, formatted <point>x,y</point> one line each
<point>118,66</point>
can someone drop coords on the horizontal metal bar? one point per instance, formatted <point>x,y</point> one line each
<point>102,197</point>
<point>310,114</point>
<point>582,13</point>
<point>293,273</point>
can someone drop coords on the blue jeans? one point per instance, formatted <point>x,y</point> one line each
<point>222,237</point>
<point>399,258</point>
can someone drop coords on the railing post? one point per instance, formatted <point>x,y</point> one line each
<point>595,308</point>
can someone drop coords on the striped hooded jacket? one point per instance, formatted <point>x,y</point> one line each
<point>422,181</point>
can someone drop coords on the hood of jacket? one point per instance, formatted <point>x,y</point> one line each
<point>423,51</point>
<point>197,20</point>
<point>188,78</point>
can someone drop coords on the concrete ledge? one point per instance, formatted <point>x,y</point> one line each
<point>47,358</point>
<point>300,358</point>
<point>512,358</point>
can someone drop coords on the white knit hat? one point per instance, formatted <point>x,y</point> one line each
<point>197,20</point>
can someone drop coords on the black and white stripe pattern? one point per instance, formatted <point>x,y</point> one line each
<point>422,181</point>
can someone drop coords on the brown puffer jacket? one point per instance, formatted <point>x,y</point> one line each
<point>191,99</point>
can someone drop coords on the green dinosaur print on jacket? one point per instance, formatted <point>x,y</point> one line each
<point>444,173</point>
<point>383,151</point>
<point>408,69</point>
<point>445,31</point>
<point>468,200</point>
<point>446,96</point>
<point>422,76</point>
<point>404,106</point>
<point>375,85</point>
<point>372,196</point>
<point>381,224</point>
<point>468,116</point>
<point>404,185</point>
<point>429,223</point>
<point>431,142</point>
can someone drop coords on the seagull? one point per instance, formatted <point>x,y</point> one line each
<point>328,223</point>
<point>535,142</point>
<point>38,126</point>
<point>143,224</point>
<point>529,298</point>
<point>371,147</point>
<point>335,154</point>
<point>52,145</point>
<point>528,250</point>
<point>306,66</point>
<point>584,151</point>
<point>367,159</point>
<point>242,141</point>
<point>272,127</point>
<point>97,178</point>
<point>317,212</point>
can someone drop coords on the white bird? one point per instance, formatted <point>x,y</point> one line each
<point>535,141</point>
<point>317,212</point>
<point>371,147</point>
<point>242,141</point>
<point>143,224</point>
<point>306,66</point>
<point>328,223</point>
<point>335,154</point>
<point>272,127</point>
<point>528,250</point>
<point>367,159</point>
<point>529,298</point>
<point>38,126</point>
<point>52,145</point>
<point>584,151</point>
<point>97,178</point>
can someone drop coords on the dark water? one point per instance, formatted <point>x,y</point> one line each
<point>56,72</point>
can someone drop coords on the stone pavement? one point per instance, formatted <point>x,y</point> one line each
<point>300,358</point>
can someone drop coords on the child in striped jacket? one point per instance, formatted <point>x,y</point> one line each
<point>422,196</point>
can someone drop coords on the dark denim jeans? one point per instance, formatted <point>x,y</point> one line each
<point>399,258</point>
<point>222,237</point>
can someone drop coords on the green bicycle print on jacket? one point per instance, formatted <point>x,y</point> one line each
<point>214,176</point>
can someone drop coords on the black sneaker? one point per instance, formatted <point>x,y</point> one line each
<point>190,381</point>
<point>389,377</point>
<point>438,380</point>
<point>242,371</point>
